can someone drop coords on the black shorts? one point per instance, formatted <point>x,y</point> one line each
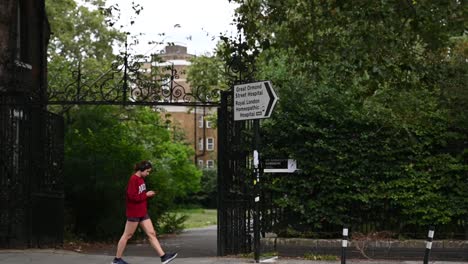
<point>138,219</point>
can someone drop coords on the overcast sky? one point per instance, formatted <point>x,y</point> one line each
<point>192,23</point>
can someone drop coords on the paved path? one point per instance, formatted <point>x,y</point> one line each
<point>195,246</point>
<point>61,257</point>
<point>198,242</point>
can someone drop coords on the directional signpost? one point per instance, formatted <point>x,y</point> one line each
<point>254,100</point>
<point>280,166</point>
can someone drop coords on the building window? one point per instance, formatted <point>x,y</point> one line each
<point>210,144</point>
<point>208,123</point>
<point>200,164</point>
<point>200,121</point>
<point>210,164</point>
<point>200,144</point>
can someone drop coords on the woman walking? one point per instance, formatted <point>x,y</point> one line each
<point>137,214</point>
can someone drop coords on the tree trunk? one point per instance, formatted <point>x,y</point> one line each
<point>7,27</point>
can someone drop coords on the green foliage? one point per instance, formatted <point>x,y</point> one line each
<point>101,146</point>
<point>80,51</point>
<point>171,223</point>
<point>80,31</point>
<point>206,72</point>
<point>207,77</point>
<point>206,196</point>
<point>175,174</point>
<point>98,156</point>
<point>372,105</point>
<point>103,143</point>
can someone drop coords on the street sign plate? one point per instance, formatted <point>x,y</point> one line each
<point>254,100</point>
<point>280,166</point>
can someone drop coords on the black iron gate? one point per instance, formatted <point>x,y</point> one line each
<point>235,190</point>
<point>47,193</point>
<point>31,140</point>
<point>31,192</point>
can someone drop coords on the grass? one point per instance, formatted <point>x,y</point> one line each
<point>311,256</point>
<point>262,255</point>
<point>199,217</point>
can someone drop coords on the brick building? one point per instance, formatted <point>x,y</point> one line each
<point>193,122</point>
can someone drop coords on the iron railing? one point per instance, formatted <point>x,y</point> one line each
<point>31,185</point>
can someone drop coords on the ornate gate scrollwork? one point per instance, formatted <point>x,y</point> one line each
<point>31,139</point>
<point>128,81</point>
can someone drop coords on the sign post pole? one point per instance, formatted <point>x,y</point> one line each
<point>254,101</point>
<point>256,192</point>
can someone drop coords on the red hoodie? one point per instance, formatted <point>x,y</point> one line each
<point>136,197</point>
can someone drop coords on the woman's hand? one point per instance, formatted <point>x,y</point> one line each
<point>150,193</point>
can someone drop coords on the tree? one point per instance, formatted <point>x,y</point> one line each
<point>82,32</point>
<point>81,48</point>
<point>103,142</point>
<point>207,71</point>
<point>363,109</point>
<point>207,77</point>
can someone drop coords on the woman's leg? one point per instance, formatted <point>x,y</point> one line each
<point>147,226</point>
<point>130,228</point>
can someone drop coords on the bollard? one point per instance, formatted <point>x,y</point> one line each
<point>430,236</point>
<point>344,245</point>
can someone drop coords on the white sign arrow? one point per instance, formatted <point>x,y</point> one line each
<point>254,100</point>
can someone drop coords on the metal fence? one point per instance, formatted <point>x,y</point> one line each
<point>31,185</point>
<point>368,222</point>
